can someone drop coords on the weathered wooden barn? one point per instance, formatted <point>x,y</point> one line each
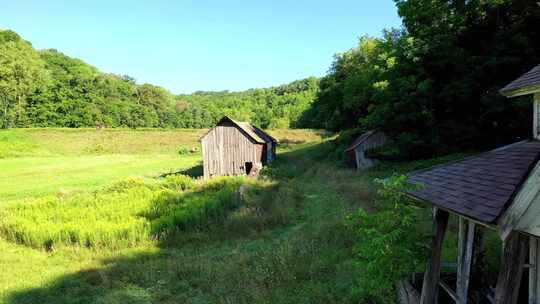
<point>498,190</point>
<point>236,148</point>
<point>356,152</point>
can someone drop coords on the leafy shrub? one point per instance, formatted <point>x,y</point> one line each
<point>183,151</point>
<point>389,247</point>
<point>186,150</point>
<point>403,149</point>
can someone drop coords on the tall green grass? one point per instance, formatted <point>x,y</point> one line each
<point>123,215</point>
<point>13,144</point>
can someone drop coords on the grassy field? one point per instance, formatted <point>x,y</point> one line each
<point>50,188</point>
<point>104,227</point>
<point>25,177</point>
<point>37,162</point>
<point>278,248</point>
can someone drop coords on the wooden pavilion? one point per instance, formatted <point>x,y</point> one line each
<point>499,190</point>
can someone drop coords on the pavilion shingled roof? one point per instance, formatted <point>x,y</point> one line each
<point>531,79</point>
<point>480,187</point>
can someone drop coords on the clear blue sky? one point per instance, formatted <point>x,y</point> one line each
<point>187,46</point>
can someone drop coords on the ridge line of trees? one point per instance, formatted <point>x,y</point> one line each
<point>49,89</point>
<point>432,85</point>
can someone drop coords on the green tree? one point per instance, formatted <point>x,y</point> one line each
<point>21,74</point>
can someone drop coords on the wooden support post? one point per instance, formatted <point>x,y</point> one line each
<point>430,287</point>
<point>513,260</point>
<point>536,116</point>
<point>479,282</point>
<point>534,259</point>
<point>465,253</point>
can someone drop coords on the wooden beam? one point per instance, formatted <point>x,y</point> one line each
<point>523,91</point>
<point>525,197</point>
<point>534,257</point>
<point>407,294</point>
<point>465,252</point>
<point>536,105</point>
<point>449,291</point>
<point>430,287</point>
<point>513,259</point>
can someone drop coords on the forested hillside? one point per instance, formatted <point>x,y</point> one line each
<point>49,89</point>
<point>433,85</point>
<point>278,107</point>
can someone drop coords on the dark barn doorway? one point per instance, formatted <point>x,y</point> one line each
<point>249,166</point>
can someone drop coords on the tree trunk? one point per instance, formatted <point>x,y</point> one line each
<point>19,110</point>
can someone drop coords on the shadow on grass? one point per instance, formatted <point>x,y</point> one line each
<point>194,172</point>
<point>261,252</point>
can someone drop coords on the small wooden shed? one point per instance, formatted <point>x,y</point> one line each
<point>236,148</point>
<point>498,190</point>
<point>356,152</point>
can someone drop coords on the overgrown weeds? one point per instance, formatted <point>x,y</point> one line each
<point>391,243</point>
<point>123,215</point>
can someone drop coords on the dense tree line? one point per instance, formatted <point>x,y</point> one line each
<point>433,85</point>
<point>276,107</point>
<point>49,89</point>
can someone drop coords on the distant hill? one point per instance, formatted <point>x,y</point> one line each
<point>46,88</point>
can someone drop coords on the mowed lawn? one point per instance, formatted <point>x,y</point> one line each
<point>38,162</point>
<point>24,177</point>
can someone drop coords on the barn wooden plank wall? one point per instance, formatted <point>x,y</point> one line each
<point>226,151</point>
<point>376,140</point>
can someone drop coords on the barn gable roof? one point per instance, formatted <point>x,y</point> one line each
<point>360,139</point>
<point>267,137</point>
<point>480,187</point>
<point>527,83</point>
<point>256,134</point>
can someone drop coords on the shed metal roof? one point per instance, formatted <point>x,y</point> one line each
<point>480,187</point>
<point>526,84</point>
<point>360,139</point>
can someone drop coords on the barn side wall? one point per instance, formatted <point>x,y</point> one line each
<point>376,140</point>
<point>226,150</point>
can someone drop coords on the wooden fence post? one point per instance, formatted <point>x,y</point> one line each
<point>430,287</point>
<point>513,259</point>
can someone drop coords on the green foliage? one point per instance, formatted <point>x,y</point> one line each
<point>389,246</point>
<point>15,144</point>
<point>125,214</point>
<point>186,150</point>
<point>173,210</point>
<point>433,86</point>
<point>21,75</point>
<point>283,243</point>
<point>276,107</point>
<point>49,89</point>
<point>179,182</point>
